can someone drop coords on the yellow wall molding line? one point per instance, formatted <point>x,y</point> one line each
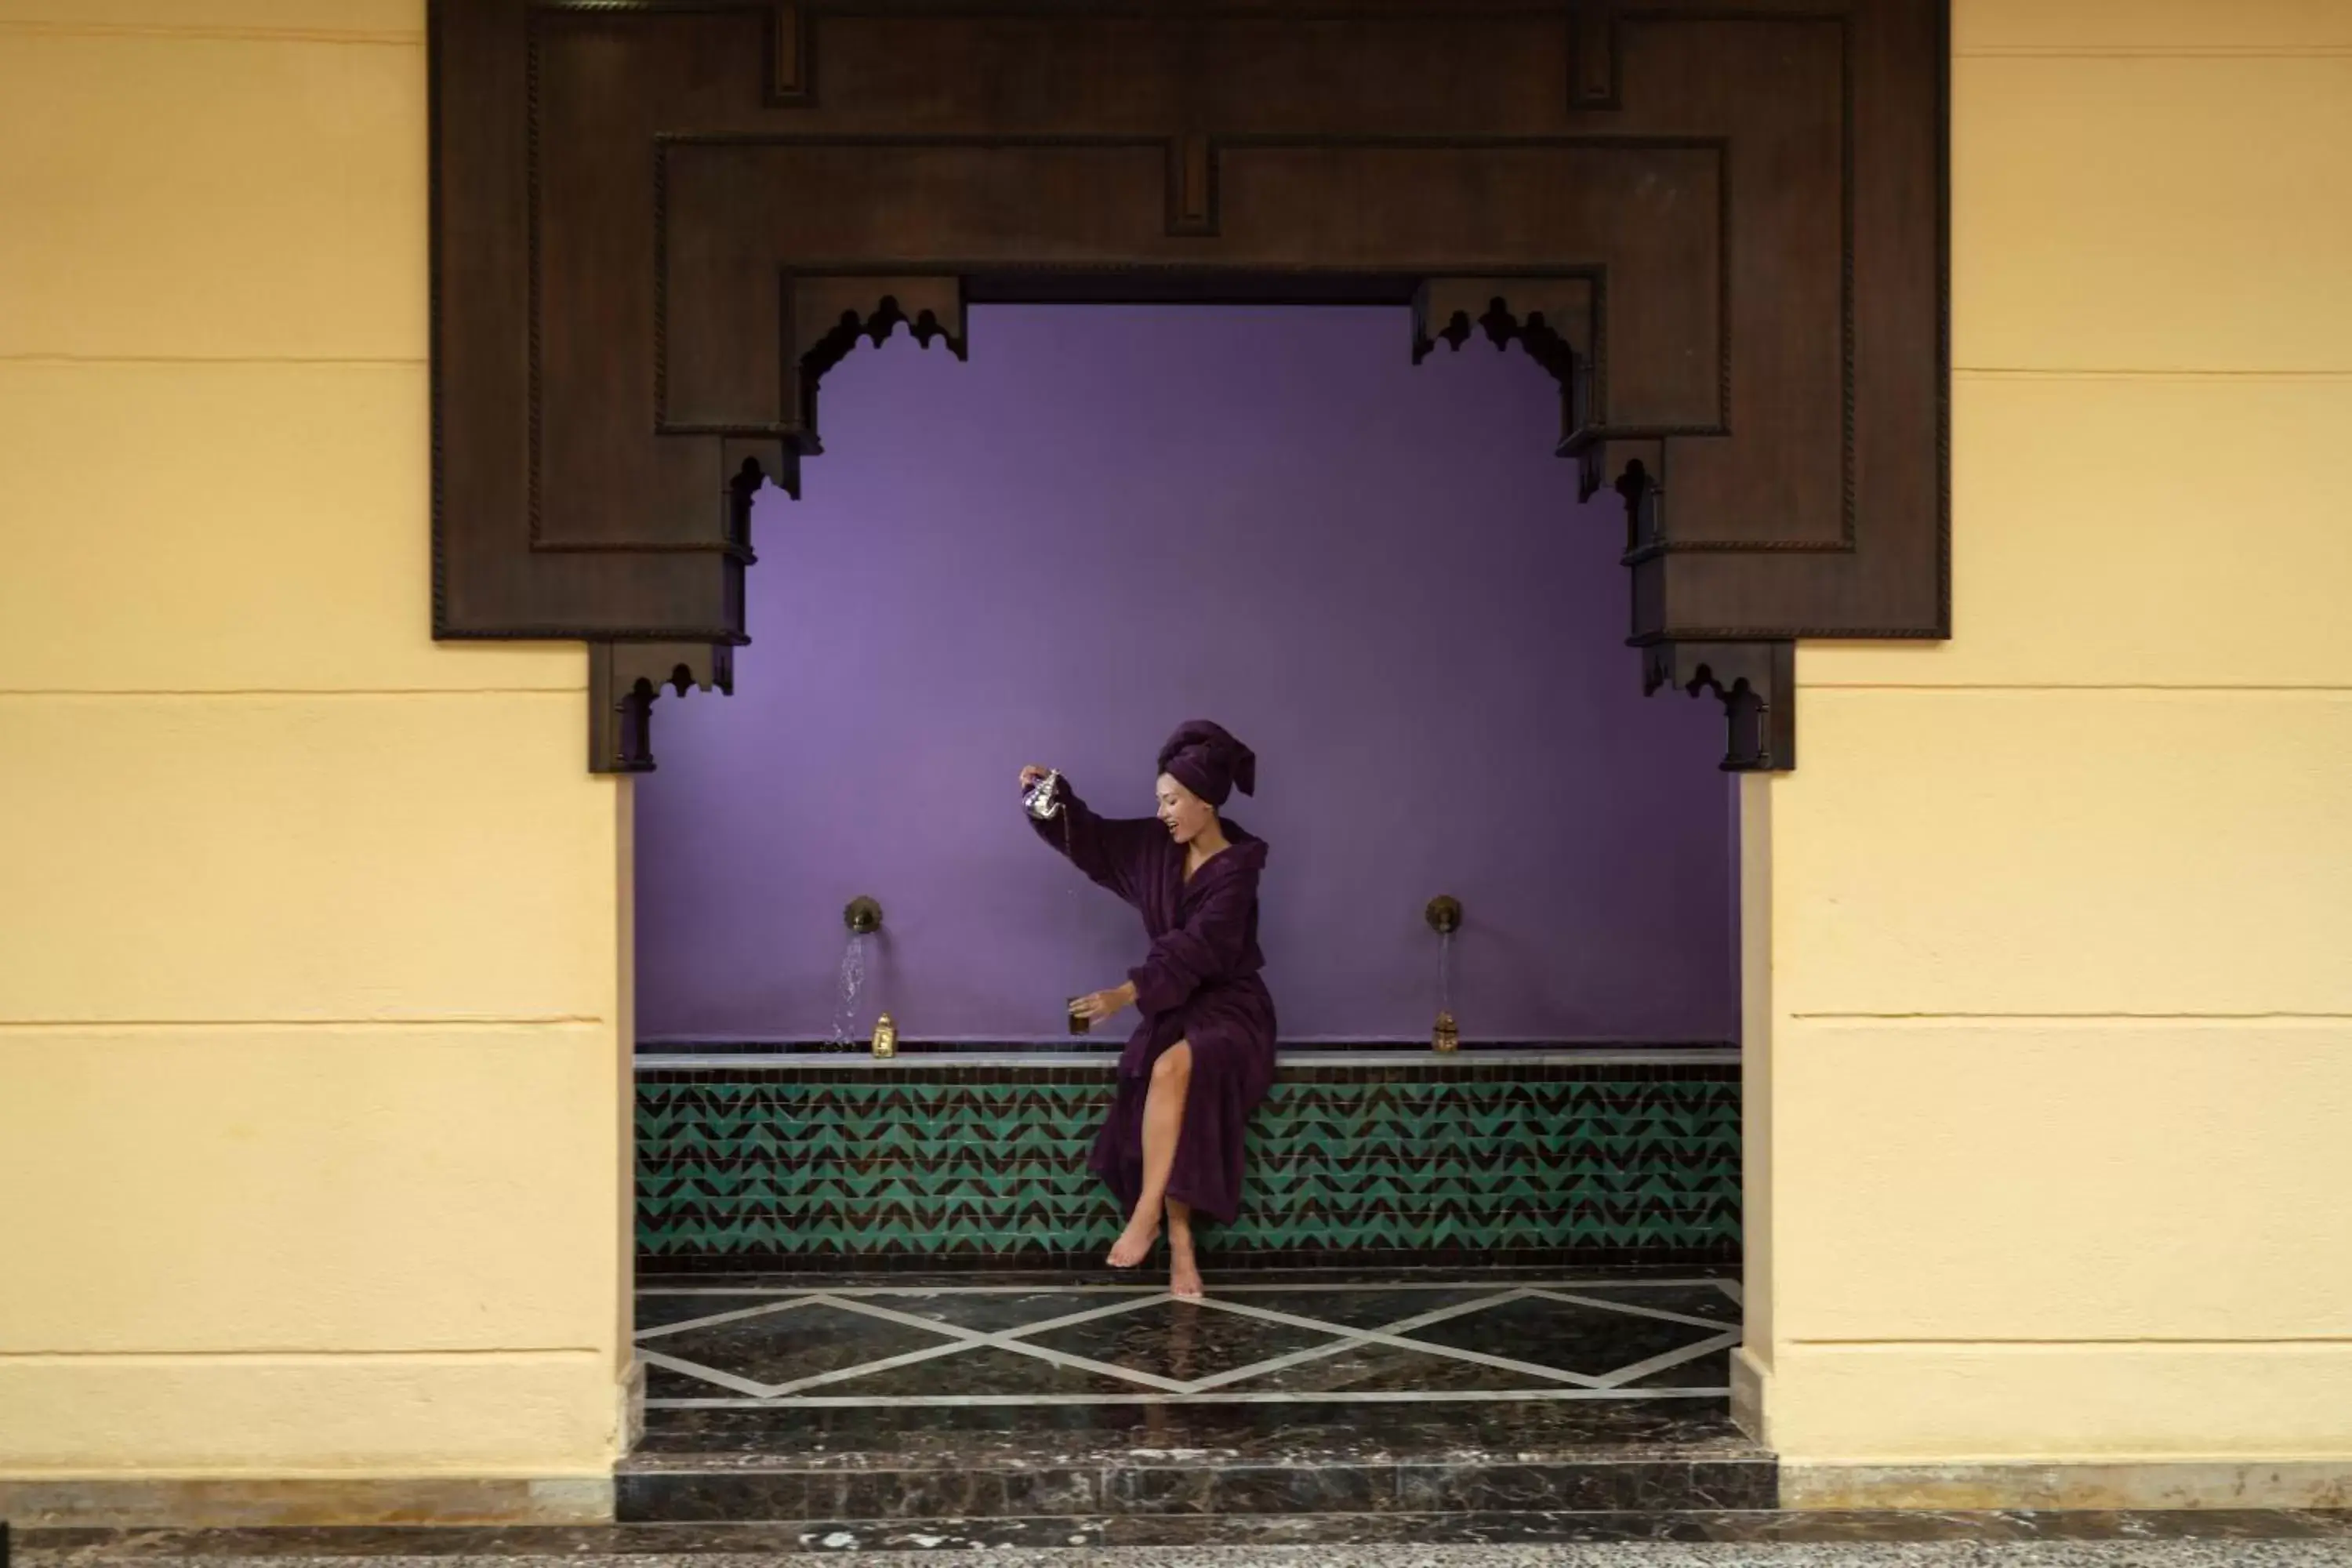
<point>397,38</point>
<point>2122,1342</point>
<point>2082,1017</point>
<point>2154,52</point>
<point>584,1022</point>
<point>2321,688</point>
<point>454,1355</point>
<point>2142,373</point>
<point>76,694</point>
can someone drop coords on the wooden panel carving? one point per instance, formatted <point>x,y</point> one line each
<point>1721,228</point>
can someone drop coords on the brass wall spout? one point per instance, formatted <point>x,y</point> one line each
<point>1444,914</point>
<point>863,916</point>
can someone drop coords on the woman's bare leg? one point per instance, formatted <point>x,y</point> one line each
<point>1183,1272</point>
<point>1163,1119</point>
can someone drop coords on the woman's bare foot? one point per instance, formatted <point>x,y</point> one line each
<point>1134,1244</point>
<point>1183,1273</point>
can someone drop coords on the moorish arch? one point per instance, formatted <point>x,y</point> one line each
<point>1720,228</point>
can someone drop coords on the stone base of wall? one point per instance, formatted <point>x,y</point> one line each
<point>214,1503</point>
<point>2158,1484</point>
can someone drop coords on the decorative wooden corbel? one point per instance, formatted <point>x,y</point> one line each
<point>1551,316</point>
<point>825,317</point>
<point>1758,684</point>
<point>1642,486</point>
<point>624,679</point>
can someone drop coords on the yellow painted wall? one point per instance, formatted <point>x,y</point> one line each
<point>311,983</point>
<point>2055,1115</point>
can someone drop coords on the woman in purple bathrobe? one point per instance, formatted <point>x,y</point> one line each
<point>1203,1056</point>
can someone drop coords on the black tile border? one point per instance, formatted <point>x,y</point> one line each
<point>1385,1261</point>
<point>1110,1049</point>
<point>1435,1070</point>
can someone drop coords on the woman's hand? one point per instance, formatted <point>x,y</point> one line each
<point>1031,774</point>
<point>1103,1004</point>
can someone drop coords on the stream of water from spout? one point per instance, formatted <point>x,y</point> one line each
<point>853,982</point>
<point>1445,972</point>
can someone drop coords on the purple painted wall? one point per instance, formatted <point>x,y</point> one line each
<point>1111,520</point>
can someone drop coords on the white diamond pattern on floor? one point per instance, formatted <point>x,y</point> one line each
<point>886,1345</point>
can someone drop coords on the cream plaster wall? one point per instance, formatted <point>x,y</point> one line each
<point>2054,1123</point>
<point>313,1110</point>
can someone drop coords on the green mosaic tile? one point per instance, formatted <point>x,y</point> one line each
<point>781,1167</point>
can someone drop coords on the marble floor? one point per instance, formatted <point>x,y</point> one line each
<point>1616,1336</point>
<point>907,1398</point>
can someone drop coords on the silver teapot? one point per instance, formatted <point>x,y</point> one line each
<point>1042,799</point>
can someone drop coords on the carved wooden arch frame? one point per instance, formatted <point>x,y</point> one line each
<point>1721,226</point>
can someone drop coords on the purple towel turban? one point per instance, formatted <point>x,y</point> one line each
<point>1210,764</point>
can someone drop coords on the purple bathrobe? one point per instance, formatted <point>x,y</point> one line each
<point>1200,983</point>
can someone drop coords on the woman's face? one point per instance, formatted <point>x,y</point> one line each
<point>1185,815</point>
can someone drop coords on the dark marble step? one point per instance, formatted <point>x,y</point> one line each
<point>774,1493</point>
<point>1293,1457</point>
<point>637,1542</point>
